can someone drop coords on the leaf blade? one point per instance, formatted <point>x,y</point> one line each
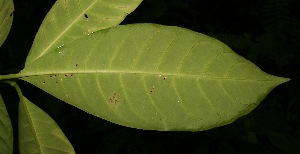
<point>69,20</point>
<point>38,132</point>
<point>153,77</point>
<point>6,18</point>
<point>6,133</point>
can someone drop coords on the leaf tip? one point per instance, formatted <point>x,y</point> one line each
<point>282,80</point>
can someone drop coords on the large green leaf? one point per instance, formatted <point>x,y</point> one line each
<point>38,132</point>
<point>6,18</point>
<point>153,77</point>
<point>6,133</point>
<point>71,19</point>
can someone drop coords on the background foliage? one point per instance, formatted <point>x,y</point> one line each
<point>265,32</point>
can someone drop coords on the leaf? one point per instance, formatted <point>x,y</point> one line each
<point>155,77</point>
<point>38,132</point>
<point>6,18</point>
<point>6,132</point>
<point>71,19</point>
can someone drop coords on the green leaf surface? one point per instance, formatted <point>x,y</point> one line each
<point>150,76</point>
<point>38,132</point>
<point>70,19</point>
<point>6,18</point>
<point>6,132</point>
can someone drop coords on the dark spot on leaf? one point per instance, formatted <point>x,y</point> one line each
<point>52,75</point>
<point>71,75</point>
<point>153,88</point>
<point>86,16</point>
<point>44,82</point>
<point>165,78</point>
<point>66,75</point>
<point>56,82</point>
<point>76,64</point>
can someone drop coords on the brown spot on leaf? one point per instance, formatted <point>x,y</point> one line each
<point>113,99</point>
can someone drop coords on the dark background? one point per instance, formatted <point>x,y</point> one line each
<point>266,32</point>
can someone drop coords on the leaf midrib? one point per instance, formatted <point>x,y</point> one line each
<point>162,74</point>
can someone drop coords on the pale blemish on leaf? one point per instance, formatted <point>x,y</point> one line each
<point>88,32</point>
<point>60,46</point>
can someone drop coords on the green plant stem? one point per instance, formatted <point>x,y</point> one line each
<point>10,76</point>
<point>15,85</point>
